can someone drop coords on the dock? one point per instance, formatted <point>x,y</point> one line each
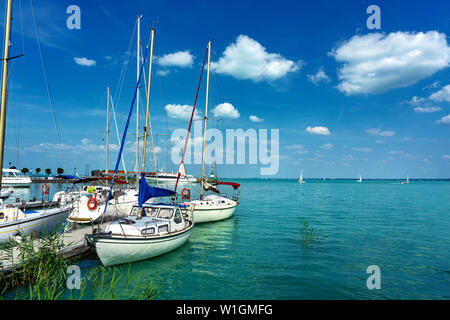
<point>74,245</point>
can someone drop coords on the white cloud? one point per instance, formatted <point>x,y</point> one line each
<point>379,132</point>
<point>362,149</point>
<point>85,62</point>
<point>375,62</point>
<point>441,95</point>
<point>181,112</point>
<point>318,77</point>
<point>327,146</point>
<point>401,153</point>
<point>416,101</point>
<point>162,73</point>
<point>434,85</point>
<point>255,119</point>
<point>296,147</point>
<point>427,109</point>
<point>182,59</point>
<point>225,110</point>
<point>248,59</point>
<point>446,156</point>
<point>318,130</point>
<point>445,120</point>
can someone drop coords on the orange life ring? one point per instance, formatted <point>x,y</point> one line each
<point>92,203</point>
<point>45,188</point>
<point>184,195</point>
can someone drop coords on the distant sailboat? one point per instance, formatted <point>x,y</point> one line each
<point>360,178</point>
<point>300,180</point>
<point>406,181</point>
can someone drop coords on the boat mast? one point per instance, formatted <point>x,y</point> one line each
<point>107,129</point>
<point>137,97</point>
<point>4,85</point>
<point>206,119</point>
<point>147,114</point>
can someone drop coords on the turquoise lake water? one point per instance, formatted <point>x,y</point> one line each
<point>258,253</point>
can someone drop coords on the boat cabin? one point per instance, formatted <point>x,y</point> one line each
<point>155,220</point>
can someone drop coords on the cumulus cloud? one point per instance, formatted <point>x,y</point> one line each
<point>248,59</point>
<point>327,146</point>
<point>445,120</point>
<point>318,130</point>
<point>318,77</point>
<point>181,112</point>
<point>255,119</point>
<point>365,149</point>
<point>375,62</point>
<point>85,62</point>
<point>225,110</point>
<point>181,59</point>
<point>427,109</point>
<point>379,132</point>
<point>162,73</point>
<point>441,95</point>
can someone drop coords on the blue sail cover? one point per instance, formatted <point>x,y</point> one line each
<point>146,192</point>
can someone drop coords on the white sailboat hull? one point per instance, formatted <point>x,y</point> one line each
<point>119,249</point>
<point>44,222</point>
<point>212,208</point>
<point>210,215</point>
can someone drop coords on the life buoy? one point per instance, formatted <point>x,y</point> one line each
<point>45,188</point>
<point>186,194</point>
<point>92,203</point>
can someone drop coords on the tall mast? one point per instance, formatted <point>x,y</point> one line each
<point>137,97</point>
<point>107,129</point>
<point>206,119</point>
<point>147,114</point>
<point>4,85</point>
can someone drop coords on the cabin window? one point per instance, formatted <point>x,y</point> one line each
<point>163,228</point>
<point>2,215</point>
<point>148,231</point>
<point>165,213</point>
<point>151,212</point>
<point>178,218</point>
<point>134,211</point>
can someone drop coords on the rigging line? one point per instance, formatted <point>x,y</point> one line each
<point>46,81</point>
<point>160,77</point>
<point>125,133</point>
<point>190,122</point>
<point>149,120</point>
<point>21,27</point>
<point>121,78</point>
<point>118,134</point>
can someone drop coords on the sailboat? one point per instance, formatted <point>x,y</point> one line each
<point>171,177</point>
<point>300,180</point>
<point>13,220</point>
<point>152,229</point>
<point>406,181</point>
<point>360,178</point>
<point>212,207</point>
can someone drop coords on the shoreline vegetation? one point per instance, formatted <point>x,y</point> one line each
<point>41,273</point>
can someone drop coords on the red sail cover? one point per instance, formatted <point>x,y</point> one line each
<point>233,184</point>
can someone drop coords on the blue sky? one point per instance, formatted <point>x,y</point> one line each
<point>346,99</point>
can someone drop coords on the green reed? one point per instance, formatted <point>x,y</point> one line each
<point>40,266</point>
<point>309,234</point>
